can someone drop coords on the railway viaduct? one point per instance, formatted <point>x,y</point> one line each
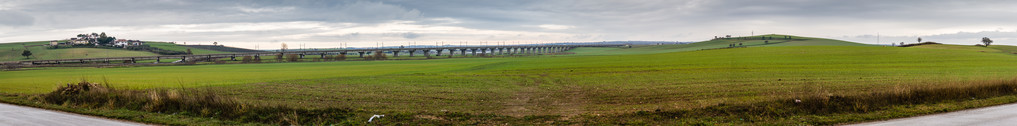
<point>396,52</point>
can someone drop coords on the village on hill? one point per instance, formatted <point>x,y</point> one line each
<point>96,39</point>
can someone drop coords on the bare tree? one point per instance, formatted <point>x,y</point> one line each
<point>283,49</point>
<point>987,41</point>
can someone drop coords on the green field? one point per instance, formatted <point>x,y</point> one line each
<point>175,47</point>
<point>12,52</point>
<point>595,81</point>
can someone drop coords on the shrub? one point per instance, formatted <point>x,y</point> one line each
<point>10,66</point>
<point>379,55</point>
<point>246,59</point>
<point>340,57</point>
<point>292,57</point>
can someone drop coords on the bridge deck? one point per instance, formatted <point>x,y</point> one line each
<point>316,52</point>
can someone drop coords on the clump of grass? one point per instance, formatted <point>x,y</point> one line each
<point>195,103</point>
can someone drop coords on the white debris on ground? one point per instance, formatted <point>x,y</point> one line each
<point>375,116</point>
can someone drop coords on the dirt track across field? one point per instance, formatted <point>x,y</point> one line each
<point>13,115</point>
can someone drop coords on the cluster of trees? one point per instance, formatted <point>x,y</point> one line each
<point>105,40</point>
<point>101,38</point>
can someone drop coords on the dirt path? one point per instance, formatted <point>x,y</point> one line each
<point>531,99</point>
<point>13,115</point>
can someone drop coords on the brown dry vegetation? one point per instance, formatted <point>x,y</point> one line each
<point>188,102</point>
<point>812,108</point>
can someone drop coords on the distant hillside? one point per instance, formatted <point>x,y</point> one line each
<point>991,49</point>
<point>222,48</point>
<point>182,48</point>
<point>750,41</point>
<point>12,52</point>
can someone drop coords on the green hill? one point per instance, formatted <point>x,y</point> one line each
<point>991,49</point>
<point>750,41</point>
<point>12,52</point>
<point>175,47</point>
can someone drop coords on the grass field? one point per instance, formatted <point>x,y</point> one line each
<point>596,81</point>
<point>12,52</point>
<point>175,47</point>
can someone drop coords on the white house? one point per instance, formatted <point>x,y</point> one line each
<point>125,43</point>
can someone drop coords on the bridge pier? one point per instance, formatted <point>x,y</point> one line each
<point>439,52</point>
<point>411,52</point>
<point>361,54</point>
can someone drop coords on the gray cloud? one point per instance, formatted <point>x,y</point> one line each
<point>410,35</point>
<point>679,20</point>
<point>15,19</point>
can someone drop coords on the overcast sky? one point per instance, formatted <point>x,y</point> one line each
<point>326,23</point>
